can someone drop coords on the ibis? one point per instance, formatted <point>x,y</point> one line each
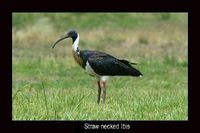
<point>99,64</point>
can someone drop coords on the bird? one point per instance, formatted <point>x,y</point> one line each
<point>99,64</point>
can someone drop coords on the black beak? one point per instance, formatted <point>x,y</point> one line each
<point>62,38</point>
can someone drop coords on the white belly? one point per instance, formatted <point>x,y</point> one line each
<point>90,71</point>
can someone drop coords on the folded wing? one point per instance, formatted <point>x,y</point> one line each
<point>104,64</point>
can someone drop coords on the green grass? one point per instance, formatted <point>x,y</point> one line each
<point>49,85</point>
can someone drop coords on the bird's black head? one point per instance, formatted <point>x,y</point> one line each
<point>70,34</point>
<point>73,34</point>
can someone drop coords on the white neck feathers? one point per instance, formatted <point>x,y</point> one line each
<point>75,45</point>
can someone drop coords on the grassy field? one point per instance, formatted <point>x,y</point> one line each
<point>48,84</point>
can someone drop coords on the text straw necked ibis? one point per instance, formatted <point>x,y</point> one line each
<point>99,64</point>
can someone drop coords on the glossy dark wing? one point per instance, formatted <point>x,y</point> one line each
<point>127,62</point>
<point>104,64</point>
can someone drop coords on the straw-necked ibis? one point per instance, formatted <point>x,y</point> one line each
<point>99,64</point>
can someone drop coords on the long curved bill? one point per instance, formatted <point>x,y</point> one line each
<point>62,38</point>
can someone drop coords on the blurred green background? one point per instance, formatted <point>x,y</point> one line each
<point>49,85</point>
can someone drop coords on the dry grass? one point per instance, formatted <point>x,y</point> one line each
<point>158,40</point>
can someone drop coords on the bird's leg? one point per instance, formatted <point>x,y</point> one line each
<point>99,91</point>
<point>104,91</point>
